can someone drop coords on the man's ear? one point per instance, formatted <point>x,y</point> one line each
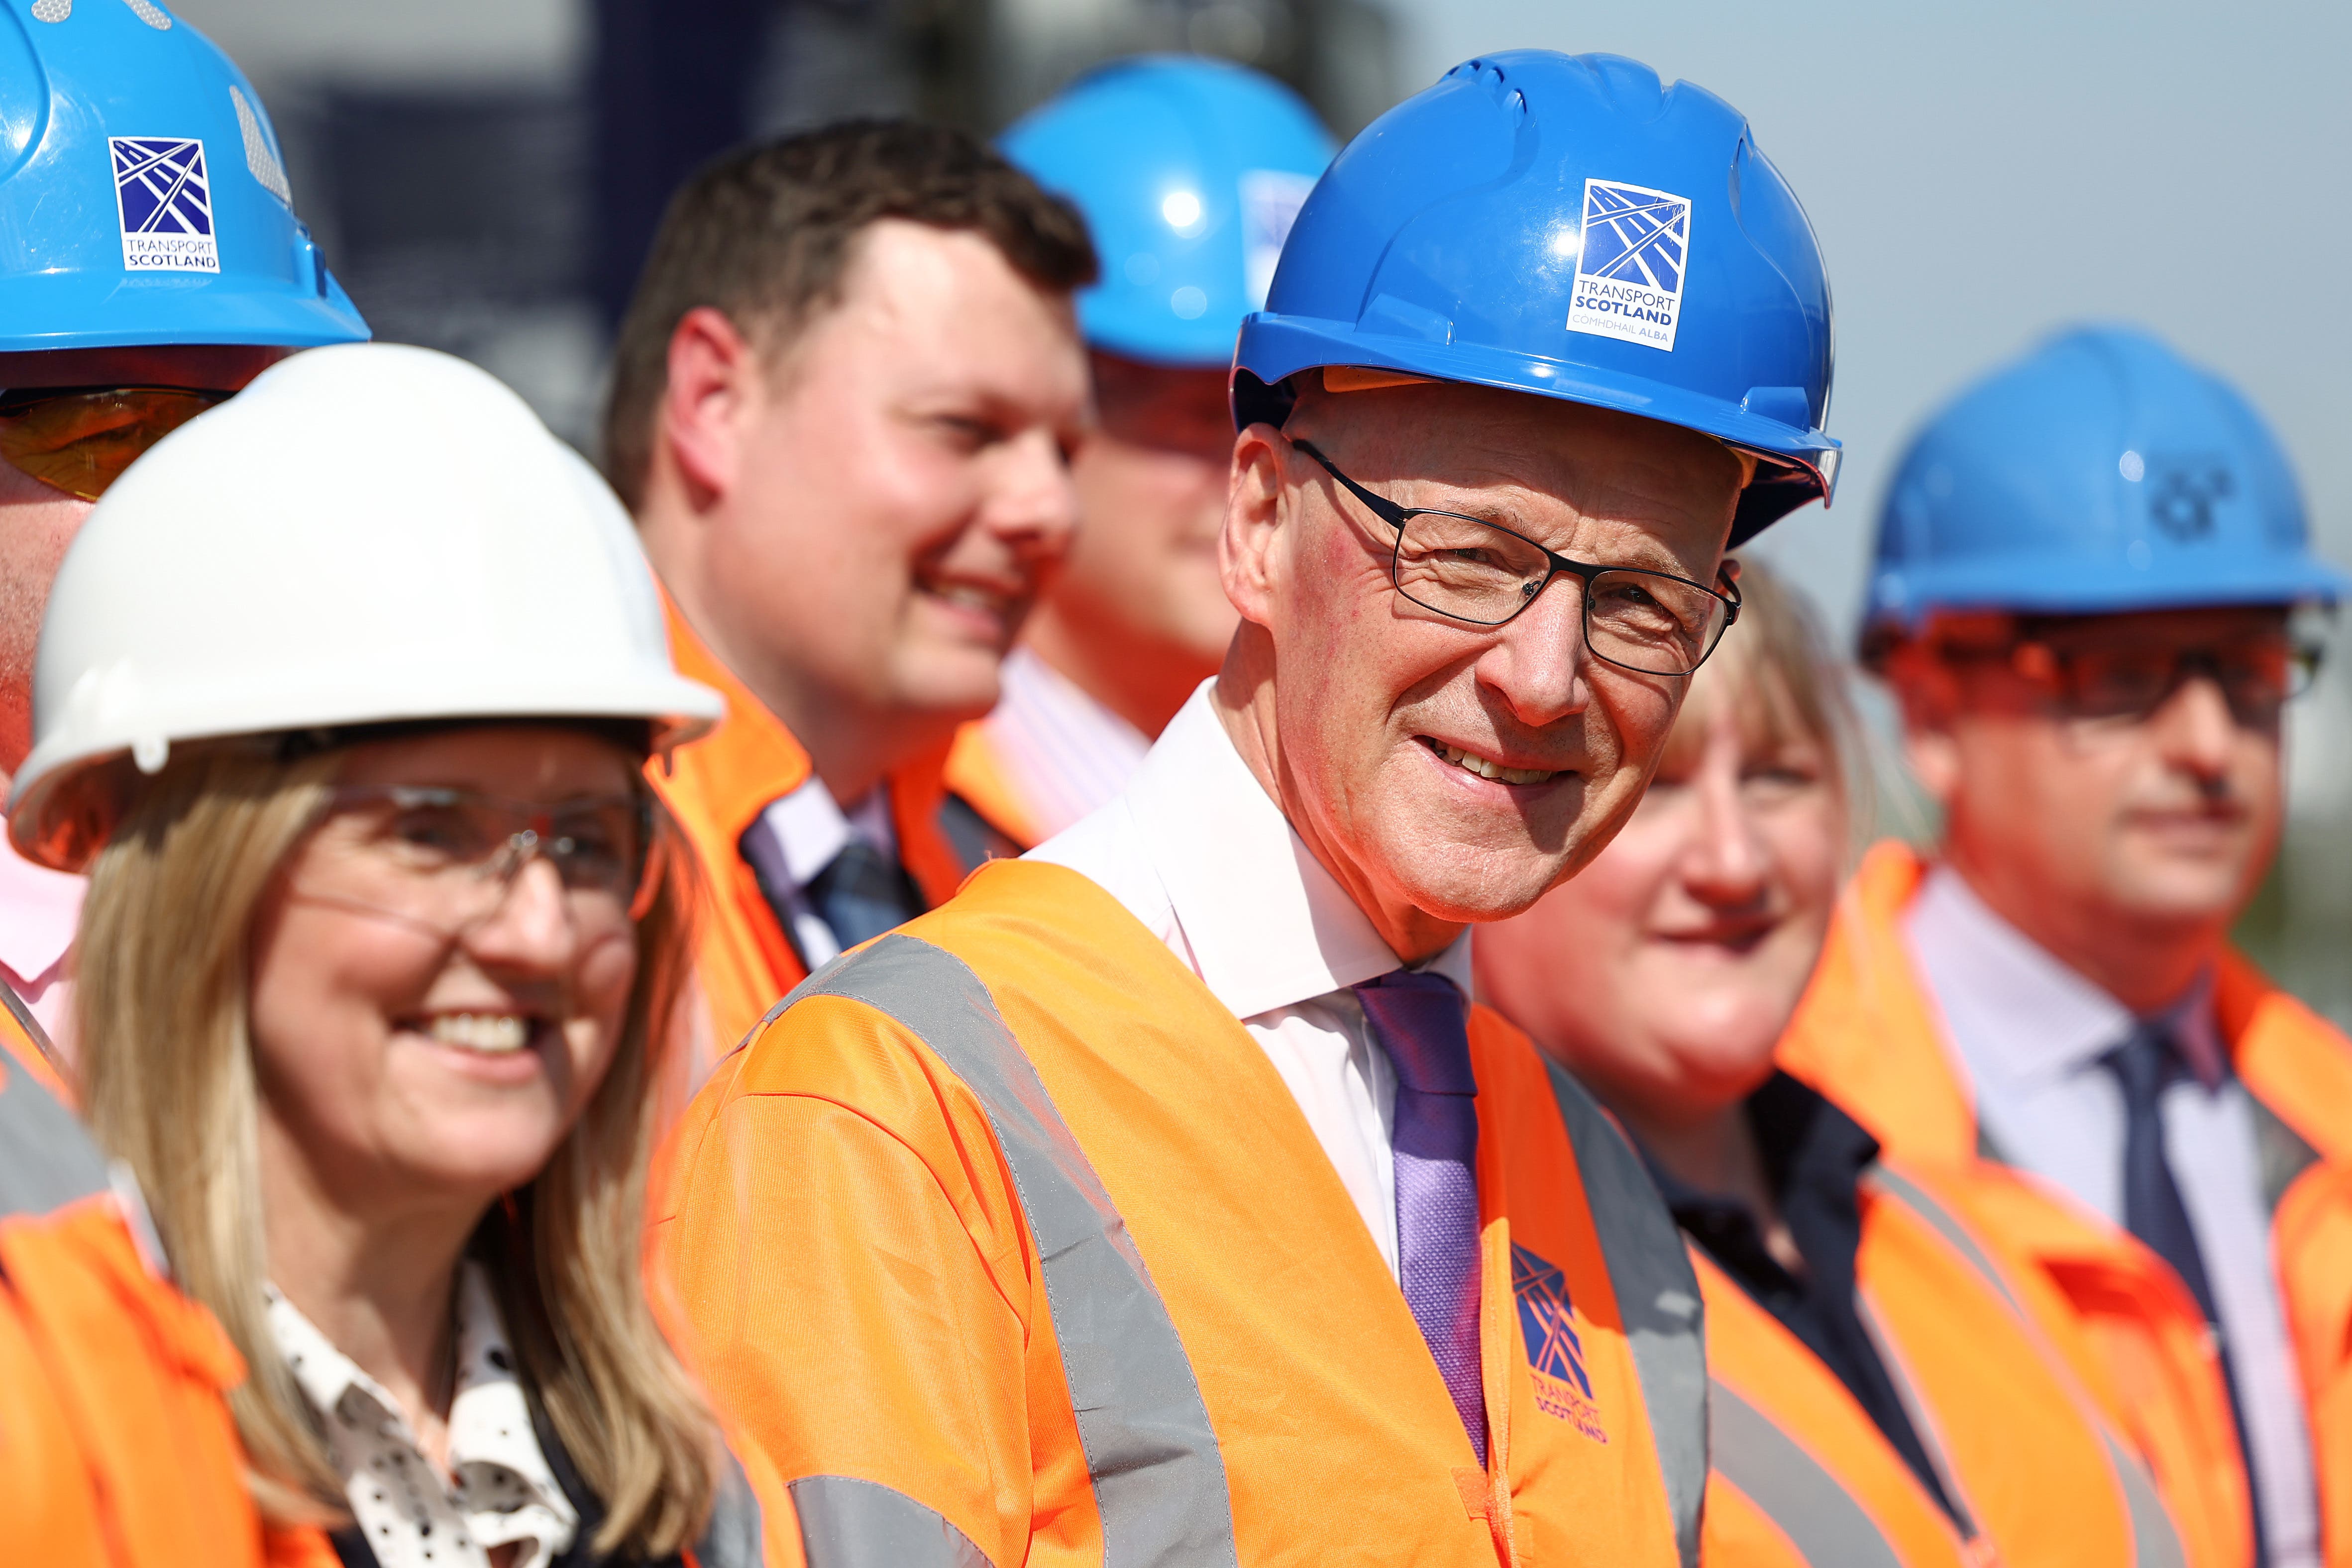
<point>1926,688</point>
<point>1254,519</point>
<point>714,377</point>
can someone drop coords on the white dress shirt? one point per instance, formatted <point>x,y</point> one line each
<point>1064,754</point>
<point>2029,1033</point>
<point>1200,854</point>
<point>810,828</point>
<point>499,1489</point>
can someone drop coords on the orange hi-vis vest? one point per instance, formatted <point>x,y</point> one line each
<point>1802,1476</point>
<point>1008,1244</point>
<point>116,1444</point>
<point>1868,1034</point>
<point>716,787</point>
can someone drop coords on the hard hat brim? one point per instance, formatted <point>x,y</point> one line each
<point>1801,463</point>
<point>170,310</point>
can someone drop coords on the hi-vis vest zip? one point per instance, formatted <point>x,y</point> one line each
<point>2036,1477</point>
<point>1018,1251</point>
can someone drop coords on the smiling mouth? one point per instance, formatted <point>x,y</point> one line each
<point>485,1034</point>
<point>996,603</point>
<point>1471,762</point>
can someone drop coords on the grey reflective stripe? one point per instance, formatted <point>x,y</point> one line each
<point>2154,1542</point>
<point>1158,1479</point>
<point>2281,1153</point>
<point>1924,1425</point>
<point>1657,1295</point>
<point>33,1032</point>
<point>1818,1515</point>
<point>47,1160</point>
<point>731,1539</point>
<point>850,1523</point>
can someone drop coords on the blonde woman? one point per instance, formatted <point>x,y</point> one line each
<point>343,702</point>
<point>1876,1396</point>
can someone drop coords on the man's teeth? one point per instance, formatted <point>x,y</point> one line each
<point>1495,770</point>
<point>973,598</point>
<point>494,1033</point>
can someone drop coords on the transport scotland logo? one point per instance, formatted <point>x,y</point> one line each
<point>165,200</point>
<point>1631,264</point>
<point>1555,1352</point>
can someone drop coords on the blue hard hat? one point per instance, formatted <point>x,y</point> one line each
<point>143,196</point>
<point>1564,225</point>
<point>2102,473</point>
<point>1189,172</point>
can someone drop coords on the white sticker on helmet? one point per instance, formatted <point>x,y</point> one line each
<point>1631,264</point>
<point>152,15</point>
<point>165,201</point>
<point>1270,202</point>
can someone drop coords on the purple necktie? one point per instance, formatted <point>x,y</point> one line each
<point>1418,1020</point>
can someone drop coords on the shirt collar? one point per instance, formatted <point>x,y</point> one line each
<point>812,827</point>
<point>39,909</point>
<point>2016,1011</point>
<point>1268,928</point>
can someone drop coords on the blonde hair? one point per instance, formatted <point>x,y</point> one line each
<point>167,1068</point>
<point>1775,663</point>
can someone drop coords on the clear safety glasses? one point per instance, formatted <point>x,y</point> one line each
<point>1467,569</point>
<point>446,860</point>
<point>80,439</point>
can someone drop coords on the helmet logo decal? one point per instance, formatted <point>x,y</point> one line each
<point>1631,264</point>
<point>1270,202</point>
<point>165,200</point>
<point>2182,493</point>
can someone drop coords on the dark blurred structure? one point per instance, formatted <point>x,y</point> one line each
<point>485,177</point>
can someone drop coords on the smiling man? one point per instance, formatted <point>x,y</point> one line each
<point>842,406</point>
<point>1162,1198</point>
<point>2083,596</point>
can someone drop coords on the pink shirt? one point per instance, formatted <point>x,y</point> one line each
<point>38,911</point>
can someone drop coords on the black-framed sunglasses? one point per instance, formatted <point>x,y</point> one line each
<point>1482,573</point>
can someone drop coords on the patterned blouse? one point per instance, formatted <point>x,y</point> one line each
<point>498,1488</point>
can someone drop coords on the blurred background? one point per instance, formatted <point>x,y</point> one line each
<point>486,174</point>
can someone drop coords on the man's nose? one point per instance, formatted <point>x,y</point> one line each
<point>1032,503</point>
<point>2195,728</point>
<point>1539,663</point>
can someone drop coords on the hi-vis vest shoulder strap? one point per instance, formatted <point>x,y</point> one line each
<point>1152,1456</point>
<point>47,1160</point>
<point>2155,1544</point>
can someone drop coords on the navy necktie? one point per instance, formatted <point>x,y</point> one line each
<point>1418,1021</point>
<point>862,892</point>
<point>2143,1065</point>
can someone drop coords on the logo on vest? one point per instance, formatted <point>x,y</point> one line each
<point>1630,264</point>
<point>1555,1353</point>
<point>164,199</point>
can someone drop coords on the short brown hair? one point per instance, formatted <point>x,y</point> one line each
<point>763,235</point>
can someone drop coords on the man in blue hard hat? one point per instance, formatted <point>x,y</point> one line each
<point>1189,173</point>
<point>151,265</point>
<point>2085,595</point>
<point>1161,1197</point>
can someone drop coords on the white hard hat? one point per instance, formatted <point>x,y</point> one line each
<point>367,534</point>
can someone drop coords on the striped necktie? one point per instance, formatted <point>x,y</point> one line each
<point>1418,1018</point>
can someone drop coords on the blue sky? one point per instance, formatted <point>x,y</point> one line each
<point>1981,174</point>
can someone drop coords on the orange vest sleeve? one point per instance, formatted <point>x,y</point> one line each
<point>890,1193</point>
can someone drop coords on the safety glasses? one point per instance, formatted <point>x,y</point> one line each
<point>80,439</point>
<point>2257,675</point>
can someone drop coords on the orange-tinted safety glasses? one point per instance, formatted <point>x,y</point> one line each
<point>80,439</point>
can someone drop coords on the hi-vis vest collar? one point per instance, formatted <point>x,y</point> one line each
<point>1157,1475</point>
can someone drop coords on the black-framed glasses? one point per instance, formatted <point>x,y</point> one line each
<point>80,439</point>
<point>1469,570</point>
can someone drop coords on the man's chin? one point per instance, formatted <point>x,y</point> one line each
<point>1469,885</point>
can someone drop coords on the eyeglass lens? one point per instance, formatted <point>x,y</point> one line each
<point>81,441</point>
<point>448,858</point>
<point>2257,676</point>
<point>1480,573</point>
